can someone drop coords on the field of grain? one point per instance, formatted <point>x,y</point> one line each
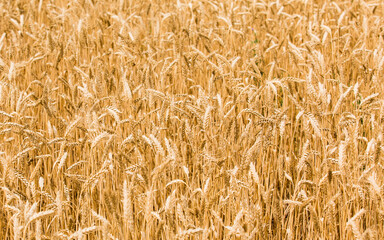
<point>189,119</point>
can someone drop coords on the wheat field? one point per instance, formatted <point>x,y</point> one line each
<point>189,119</point>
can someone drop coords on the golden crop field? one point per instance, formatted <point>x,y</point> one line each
<point>190,119</point>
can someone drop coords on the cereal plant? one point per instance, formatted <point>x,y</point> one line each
<point>191,119</point>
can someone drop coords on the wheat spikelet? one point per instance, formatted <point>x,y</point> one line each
<point>180,215</point>
<point>252,149</point>
<point>341,160</point>
<point>105,223</point>
<point>368,99</point>
<point>282,126</point>
<point>355,229</point>
<point>71,126</point>
<point>314,124</point>
<point>25,151</point>
<point>157,145</point>
<point>114,112</point>
<point>94,178</point>
<point>304,156</point>
<point>75,165</point>
<point>29,211</point>
<point>253,172</point>
<point>341,99</point>
<point>62,161</point>
<point>127,93</point>
<point>79,234</point>
<point>188,233</point>
<point>170,149</point>
<point>372,180</point>
<point>206,118</point>
<point>127,140</point>
<point>127,206</point>
<point>35,217</point>
<point>20,176</point>
<point>168,68</point>
<point>98,138</point>
<point>38,230</point>
<point>16,228</point>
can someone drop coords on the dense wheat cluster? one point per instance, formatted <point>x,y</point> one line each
<point>191,119</point>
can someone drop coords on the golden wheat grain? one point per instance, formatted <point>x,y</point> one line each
<point>208,120</point>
